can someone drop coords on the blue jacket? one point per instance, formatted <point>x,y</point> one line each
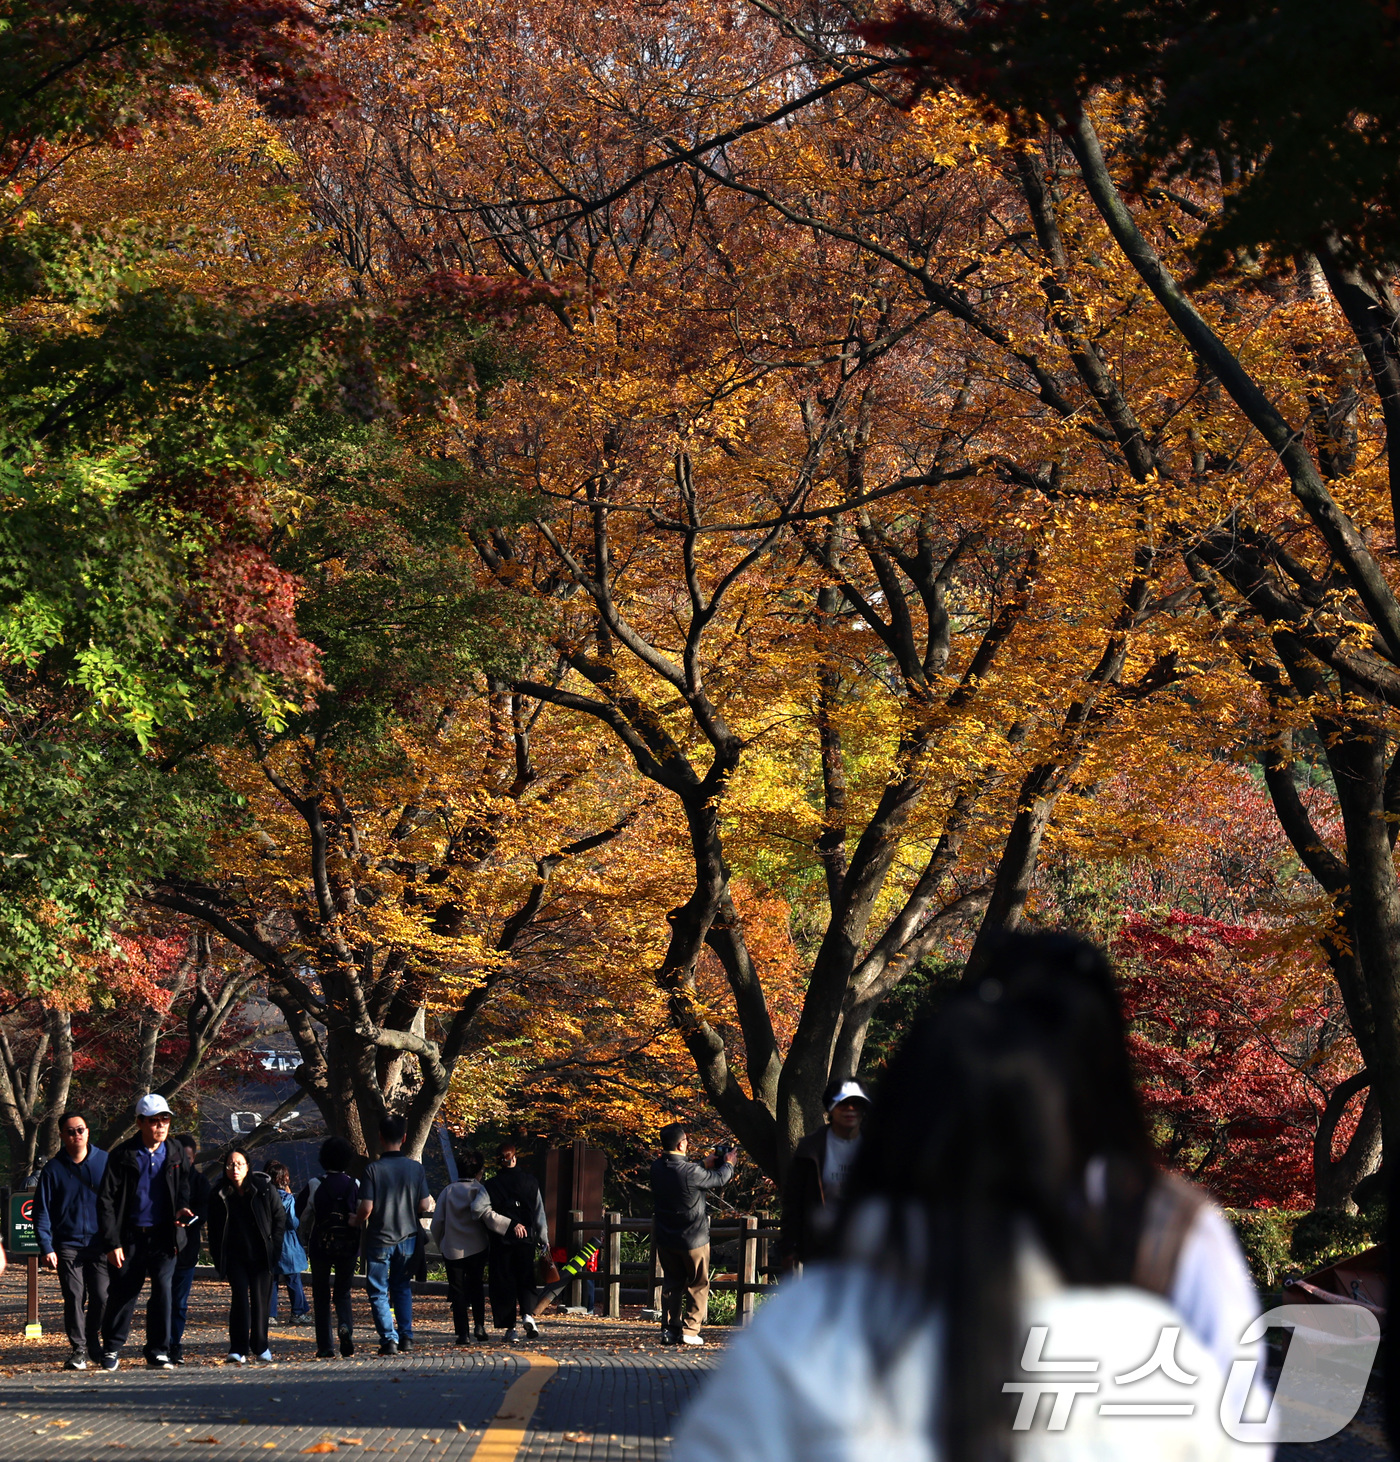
<point>65,1206</point>
<point>293,1259</point>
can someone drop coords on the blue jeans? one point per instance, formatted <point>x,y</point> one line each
<point>296,1292</point>
<point>180,1304</point>
<point>388,1278</point>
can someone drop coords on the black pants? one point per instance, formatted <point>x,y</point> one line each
<point>250,1295</point>
<point>465,1292</point>
<point>82,1276</point>
<point>324,1294</point>
<point>148,1256</point>
<point>512,1282</point>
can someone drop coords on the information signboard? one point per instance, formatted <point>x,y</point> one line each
<point>21,1238</point>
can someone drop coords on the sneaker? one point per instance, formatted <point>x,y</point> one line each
<point>512,1336</point>
<point>669,1336</point>
<point>265,1359</point>
<point>405,1344</point>
<point>481,1332</point>
<point>347,1345</point>
<point>388,1347</point>
<point>160,1362</point>
<point>234,1359</point>
<point>75,1362</point>
<point>532,1331</point>
<point>109,1361</point>
<point>688,1339</point>
<point>303,1319</point>
<point>177,1357</point>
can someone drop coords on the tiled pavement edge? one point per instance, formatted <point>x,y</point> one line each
<point>430,1407</point>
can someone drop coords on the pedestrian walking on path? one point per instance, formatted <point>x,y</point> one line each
<point>463,1223</point>
<point>65,1221</point>
<point>333,1244</point>
<point>189,1255</point>
<point>143,1204</point>
<point>516,1197</point>
<point>682,1222</point>
<point>970,1246</point>
<point>246,1224</point>
<point>393,1194</point>
<point>821,1166</point>
<point>292,1260</point>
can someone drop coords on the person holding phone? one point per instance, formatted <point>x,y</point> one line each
<point>143,1205</point>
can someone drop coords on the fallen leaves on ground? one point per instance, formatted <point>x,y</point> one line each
<point>578,1436</point>
<point>321,1447</point>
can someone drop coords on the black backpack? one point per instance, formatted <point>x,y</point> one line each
<point>333,1237</point>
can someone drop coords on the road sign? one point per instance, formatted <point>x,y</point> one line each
<point>21,1238</point>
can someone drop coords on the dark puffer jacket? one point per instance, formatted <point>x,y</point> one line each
<point>246,1221</point>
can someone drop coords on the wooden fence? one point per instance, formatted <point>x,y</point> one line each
<point>616,1278</point>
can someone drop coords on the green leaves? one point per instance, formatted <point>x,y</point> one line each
<point>83,824</point>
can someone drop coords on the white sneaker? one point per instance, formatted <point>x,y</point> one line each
<point>512,1336</point>
<point>532,1331</point>
<point>234,1359</point>
<point>265,1359</point>
<point>688,1339</point>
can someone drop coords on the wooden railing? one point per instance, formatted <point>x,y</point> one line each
<point>754,1233</point>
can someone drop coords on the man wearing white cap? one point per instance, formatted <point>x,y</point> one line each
<point>143,1206</point>
<point>820,1169</point>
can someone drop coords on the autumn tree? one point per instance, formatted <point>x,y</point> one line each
<point>809,554</point>
<point>1305,593</point>
<point>161,1009</point>
<point>165,319</point>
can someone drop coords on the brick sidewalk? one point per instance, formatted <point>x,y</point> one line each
<point>614,1397</point>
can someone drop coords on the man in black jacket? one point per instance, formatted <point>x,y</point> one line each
<point>143,1205</point>
<point>820,1167</point>
<point>678,1188</point>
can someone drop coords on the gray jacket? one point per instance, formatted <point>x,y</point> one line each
<point>678,1188</point>
<point>463,1219</point>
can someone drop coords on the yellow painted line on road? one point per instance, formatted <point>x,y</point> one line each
<point>506,1433</point>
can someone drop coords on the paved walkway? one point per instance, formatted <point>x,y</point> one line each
<point>588,1405</point>
<point>591,1391</point>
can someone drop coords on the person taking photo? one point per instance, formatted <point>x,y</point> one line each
<point>682,1222</point>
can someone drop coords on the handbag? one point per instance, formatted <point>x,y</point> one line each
<point>546,1271</point>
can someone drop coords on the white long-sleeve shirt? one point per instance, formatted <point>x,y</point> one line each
<point>802,1383</point>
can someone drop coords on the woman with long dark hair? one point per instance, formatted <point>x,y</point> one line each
<point>246,1222</point>
<point>996,1226</point>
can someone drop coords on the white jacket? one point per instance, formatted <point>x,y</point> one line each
<point>462,1220</point>
<point>801,1384</point>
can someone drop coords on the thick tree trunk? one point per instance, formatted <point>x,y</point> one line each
<point>1335,1179</point>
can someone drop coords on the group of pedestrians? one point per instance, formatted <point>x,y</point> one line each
<point>111,1224</point>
